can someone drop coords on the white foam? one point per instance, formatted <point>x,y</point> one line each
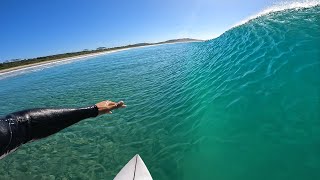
<point>281,6</point>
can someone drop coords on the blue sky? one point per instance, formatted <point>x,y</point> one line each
<point>42,27</point>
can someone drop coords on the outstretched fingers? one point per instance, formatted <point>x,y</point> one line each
<point>121,104</point>
<point>108,106</point>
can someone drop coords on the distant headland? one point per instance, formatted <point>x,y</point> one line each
<point>16,64</point>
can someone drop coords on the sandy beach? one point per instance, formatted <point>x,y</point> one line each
<point>56,61</point>
<point>29,66</point>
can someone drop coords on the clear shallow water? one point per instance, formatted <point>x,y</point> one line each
<point>242,106</point>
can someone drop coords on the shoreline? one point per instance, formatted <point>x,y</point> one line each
<point>30,66</point>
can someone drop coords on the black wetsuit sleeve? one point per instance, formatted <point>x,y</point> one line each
<point>21,127</point>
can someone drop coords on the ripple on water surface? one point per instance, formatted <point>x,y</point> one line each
<point>242,106</point>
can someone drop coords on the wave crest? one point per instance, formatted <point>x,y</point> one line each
<point>281,6</point>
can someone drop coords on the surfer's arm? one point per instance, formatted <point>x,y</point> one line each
<point>41,123</point>
<point>23,126</point>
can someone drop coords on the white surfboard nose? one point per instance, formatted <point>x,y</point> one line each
<point>135,169</point>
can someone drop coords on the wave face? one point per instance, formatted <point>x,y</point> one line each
<point>245,105</point>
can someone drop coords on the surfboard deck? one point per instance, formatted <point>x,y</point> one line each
<point>135,169</point>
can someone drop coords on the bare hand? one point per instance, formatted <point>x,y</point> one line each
<point>106,106</point>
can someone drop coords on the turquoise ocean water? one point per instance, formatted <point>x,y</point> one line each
<point>245,105</point>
